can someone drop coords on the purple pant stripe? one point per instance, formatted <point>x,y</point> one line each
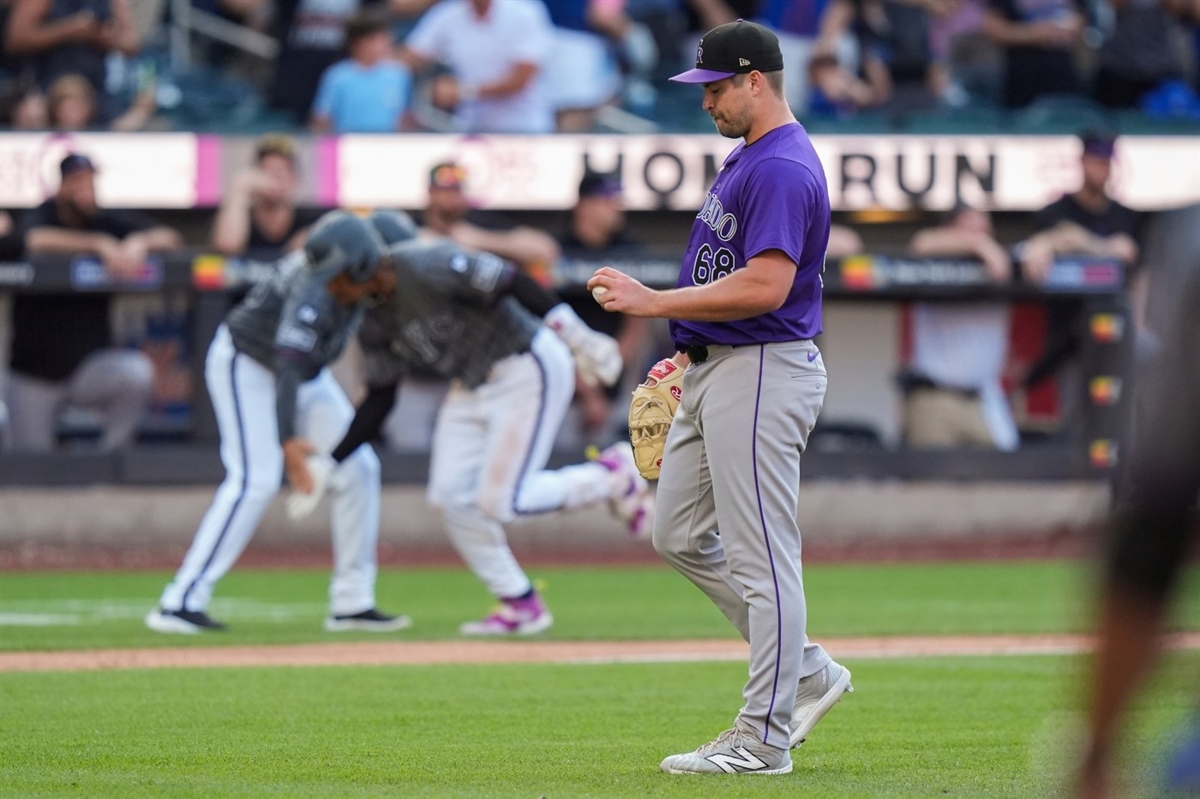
<point>762,351</point>
<point>538,432</point>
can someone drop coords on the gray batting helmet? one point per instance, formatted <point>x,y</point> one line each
<point>393,226</point>
<point>342,242</point>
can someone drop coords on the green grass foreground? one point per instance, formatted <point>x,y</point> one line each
<point>962,727</point>
<point>70,610</point>
<point>919,727</point>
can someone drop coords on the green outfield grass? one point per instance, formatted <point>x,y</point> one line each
<point>66,610</point>
<point>917,727</point>
<point>961,727</point>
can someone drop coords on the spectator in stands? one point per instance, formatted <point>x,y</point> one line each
<point>23,107</point>
<point>494,52</point>
<point>666,21</point>
<point>62,352</point>
<point>895,58</point>
<point>1086,222</point>
<point>312,36</point>
<point>252,14</point>
<point>1139,54</point>
<point>10,65</point>
<point>593,41</point>
<point>72,106</point>
<point>797,24</point>
<point>369,91</point>
<point>63,37</point>
<point>449,213</point>
<point>835,91</point>
<point>953,394</point>
<point>598,233</point>
<point>1038,39</point>
<point>704,15</point>
<point>972,61</point>
<point>258,214</point>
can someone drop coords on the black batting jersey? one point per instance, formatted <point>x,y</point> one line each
<point>293,315</point>
<point>450,313</point>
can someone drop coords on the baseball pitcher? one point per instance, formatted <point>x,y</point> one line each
<point>745,309</point>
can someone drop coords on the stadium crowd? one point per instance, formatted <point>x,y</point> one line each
<point>538,66</point>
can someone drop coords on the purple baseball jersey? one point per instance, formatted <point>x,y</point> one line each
<point>770,195</point>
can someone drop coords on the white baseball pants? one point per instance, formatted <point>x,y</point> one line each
<point>490,449</point>
<point>243,398</point>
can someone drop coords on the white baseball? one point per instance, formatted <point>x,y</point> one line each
<point>598,292</point>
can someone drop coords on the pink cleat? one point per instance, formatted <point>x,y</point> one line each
<point>512,617</point>
<point>632,501</point>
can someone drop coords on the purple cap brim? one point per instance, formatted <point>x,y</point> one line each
<point>702,76</point>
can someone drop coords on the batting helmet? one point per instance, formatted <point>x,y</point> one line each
<point>342,242</point>
<point>393,226</point>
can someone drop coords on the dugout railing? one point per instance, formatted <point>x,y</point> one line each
<point>1089,451</point>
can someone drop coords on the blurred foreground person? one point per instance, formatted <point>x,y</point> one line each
<point>1153,533</point>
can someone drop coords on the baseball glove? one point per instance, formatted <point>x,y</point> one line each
<point>650,415</point>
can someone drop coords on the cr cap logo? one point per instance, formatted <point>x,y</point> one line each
<point>700,53</point>
<point>743,62</point>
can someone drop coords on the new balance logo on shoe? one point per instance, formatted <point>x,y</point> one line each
<point>745,761</point>
<point>733,752</point>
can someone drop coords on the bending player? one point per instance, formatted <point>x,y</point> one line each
<point>276,405</point>
<point>476,319</point>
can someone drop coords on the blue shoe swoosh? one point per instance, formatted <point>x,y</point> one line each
<point>812,356</point>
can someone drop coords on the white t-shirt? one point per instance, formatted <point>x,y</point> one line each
<point>481,51</point>
<point>964,345</point>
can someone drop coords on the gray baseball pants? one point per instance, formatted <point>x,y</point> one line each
<point>726,516</point>
<point>118,383</point>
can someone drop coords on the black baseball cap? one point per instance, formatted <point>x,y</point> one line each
<point>605,184</point>
<point>734,48</point>
<point>76,162</point>
<point>1098,143</point>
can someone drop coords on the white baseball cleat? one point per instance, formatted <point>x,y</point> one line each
<point>181,622</point>
<point>733,752</point>
<point>632,500</point>
<point>815,695</point>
